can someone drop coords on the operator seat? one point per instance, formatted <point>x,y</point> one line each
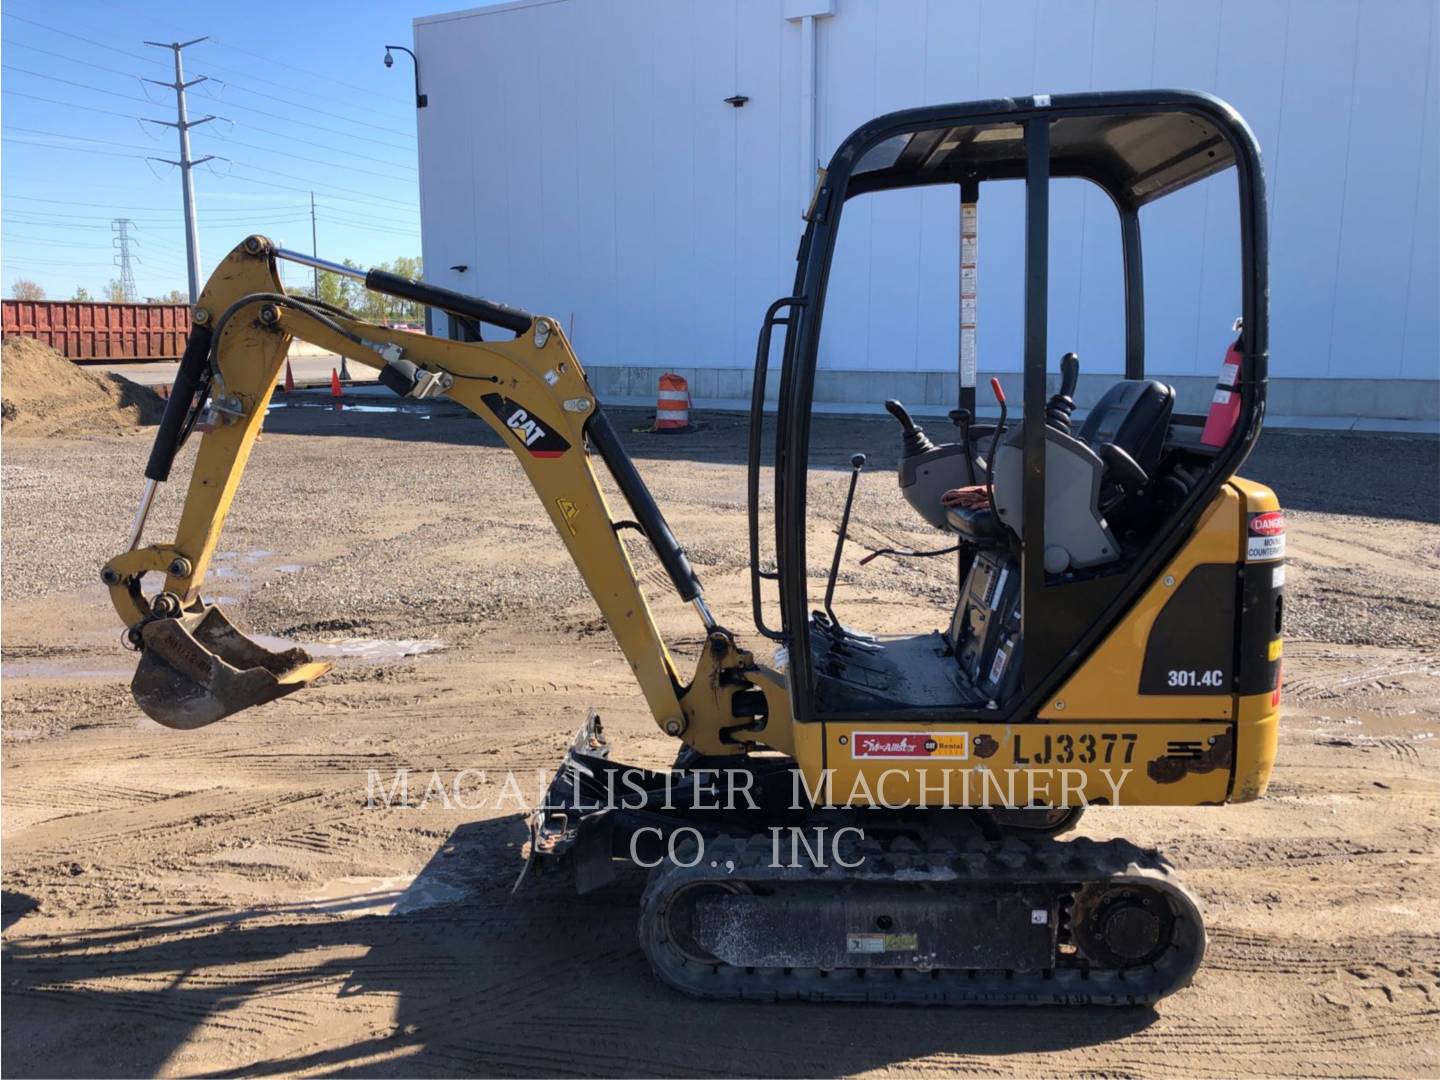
<point>1117,451</point>
<point>1134,415</point>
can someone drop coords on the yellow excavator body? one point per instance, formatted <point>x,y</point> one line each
<point>1146,673</point>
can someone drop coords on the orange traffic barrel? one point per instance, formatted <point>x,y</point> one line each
<point>672,411</point>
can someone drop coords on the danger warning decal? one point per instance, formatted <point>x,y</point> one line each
<point>1265,538</point>
<point>533,435</point>
<point>910,744</point>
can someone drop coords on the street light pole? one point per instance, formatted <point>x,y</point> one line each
<point>421,100</point>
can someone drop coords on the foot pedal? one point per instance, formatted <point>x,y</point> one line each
<point>199,668</point>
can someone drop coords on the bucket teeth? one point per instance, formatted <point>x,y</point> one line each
<point>199,668</point>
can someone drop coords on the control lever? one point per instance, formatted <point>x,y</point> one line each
<point>1062,404</point>
<point>857,462</point>
<point>999,393</point>
<point>916,441</point>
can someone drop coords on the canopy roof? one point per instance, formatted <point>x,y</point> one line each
<point>1138,156</point>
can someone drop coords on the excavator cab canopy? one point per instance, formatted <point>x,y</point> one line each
<point>1138,147</point>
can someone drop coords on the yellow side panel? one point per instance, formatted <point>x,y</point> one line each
<point>1106,687</point>
<point>1045,764</point>
<point>1257,742</point>
<point>1258,497</point>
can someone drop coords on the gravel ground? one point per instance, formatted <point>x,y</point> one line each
<point>226,901</point>
<point>448,501</point>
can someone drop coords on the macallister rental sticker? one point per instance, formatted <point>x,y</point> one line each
<point>952,745</point>
<point>1265,538</point>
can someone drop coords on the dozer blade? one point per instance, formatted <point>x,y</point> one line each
<point>198,669</point>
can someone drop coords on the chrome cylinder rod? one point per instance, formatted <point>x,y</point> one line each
<point>137,527</point>
<point>320,264</point>
<point>703,609</point>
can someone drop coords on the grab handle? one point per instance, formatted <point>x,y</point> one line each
<point>757,421</point>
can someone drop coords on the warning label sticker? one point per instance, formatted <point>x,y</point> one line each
<point>1265,538</point>
<point>878,943</point>
<point>952,746</point>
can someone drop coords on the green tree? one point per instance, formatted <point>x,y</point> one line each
<point>82,294</point>
<point>25,289</point>
<point>351,294</point>
<point>115,291</point>
<point>175,296</point>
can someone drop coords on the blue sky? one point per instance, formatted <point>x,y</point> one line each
<point>306,105</point>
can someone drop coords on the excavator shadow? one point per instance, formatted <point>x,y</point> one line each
<point>452,974</point>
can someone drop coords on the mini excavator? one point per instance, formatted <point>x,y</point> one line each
<point>1116,628</point>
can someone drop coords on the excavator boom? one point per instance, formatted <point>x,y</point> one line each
<point>196,667</point>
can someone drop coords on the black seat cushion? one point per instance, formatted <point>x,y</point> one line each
<point>1134,414</point>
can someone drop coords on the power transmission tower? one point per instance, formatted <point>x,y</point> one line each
<point>183,124</point>
<point>122,258</point>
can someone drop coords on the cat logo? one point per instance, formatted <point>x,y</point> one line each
<point>527,429</point>
<point>568,513</point>
<point>534,436</point>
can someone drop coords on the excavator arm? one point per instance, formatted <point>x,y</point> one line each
<point>196,667</point>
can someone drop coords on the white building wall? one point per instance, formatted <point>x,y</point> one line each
<point>578,157</point>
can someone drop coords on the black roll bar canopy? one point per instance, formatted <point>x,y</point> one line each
<point>1138,146</point>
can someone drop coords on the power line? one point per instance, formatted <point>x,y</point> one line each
<point>229,83</point>
<point>68,104</point>
<point>232,105</point>
<point>77,149</point>
<point>82,86</point>
<point>369,226</point>
<point>318,127</point>
<point>302,70</point>
<point>328,77</point>
<point>50,241</point>
<point>369,197</point>
<point>308,180</point>
<point>251,127</point>
<point>317,161</point>
<point>89,64</point>
<point>117,206</point>
<point>321,112</point>
<point>78,37</point>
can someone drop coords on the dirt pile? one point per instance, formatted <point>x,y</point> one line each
<point>42,393</point>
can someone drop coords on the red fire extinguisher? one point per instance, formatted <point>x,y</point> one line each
<point>1225,405</point>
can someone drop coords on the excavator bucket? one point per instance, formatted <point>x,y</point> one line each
<point>197,669</point>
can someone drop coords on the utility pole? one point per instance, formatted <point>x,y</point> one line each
<point>121,241</point>
<point>183,124</point>
<point>314,245</point>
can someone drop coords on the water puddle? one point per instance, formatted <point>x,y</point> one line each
<point>363,650</point>
<point>419,410</point>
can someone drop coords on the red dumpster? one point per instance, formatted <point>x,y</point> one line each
<point>86,330</point>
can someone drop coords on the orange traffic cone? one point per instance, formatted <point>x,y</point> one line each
<point>672,411</point>
<point>335,390</point>
<point>289,377</point>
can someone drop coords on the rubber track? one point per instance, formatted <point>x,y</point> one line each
<point>1014,861</point>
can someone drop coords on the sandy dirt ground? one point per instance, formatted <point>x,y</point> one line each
<point>225,900</point>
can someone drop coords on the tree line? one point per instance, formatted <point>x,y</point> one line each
<point>350,294</point>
